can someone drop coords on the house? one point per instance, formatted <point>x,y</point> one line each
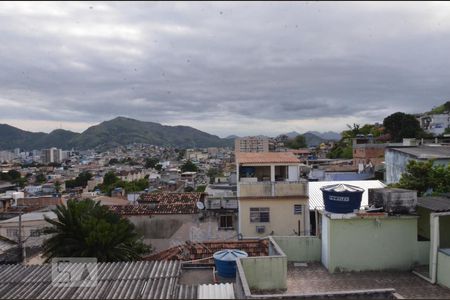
<point>252,144</point>
<point>397,158</point>
<point>168,219</point>
<point>272,199</point>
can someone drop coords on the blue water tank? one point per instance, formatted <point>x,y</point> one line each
<point>342,198</point>
<point>225,261</point>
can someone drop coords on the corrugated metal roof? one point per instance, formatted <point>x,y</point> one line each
<point>436,204</point>
<point>266,157</point>
<point>185,291</point>
<point>316,198</point>
<point>216,291</point>
<point>121,280</point>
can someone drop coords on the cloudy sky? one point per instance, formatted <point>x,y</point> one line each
<point>225,68</point>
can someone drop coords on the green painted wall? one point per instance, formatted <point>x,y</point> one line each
<point>265,272</point>
<point>443,269</point>
<point>300,248</point>
<point>423,224</point>
<point>444,230</point>
<point>423,252</point>
<point>372,244</point>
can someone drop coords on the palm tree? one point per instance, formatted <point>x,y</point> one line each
<point>88,229</point>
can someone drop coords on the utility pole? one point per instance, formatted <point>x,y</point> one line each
<point>20,237</point>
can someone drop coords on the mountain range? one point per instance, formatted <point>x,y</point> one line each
<point>108,134</point>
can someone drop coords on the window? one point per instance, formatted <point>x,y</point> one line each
<point>11,232</point>
<point>226,222</point>
<point>259,215</point>
<point>297,209</point>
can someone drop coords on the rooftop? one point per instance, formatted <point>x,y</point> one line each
<point>162,204</point>
<point>436,204</point>
<point>266,157</point>
<point>426,152</point>
<point>195,251</point>
<point>314,279</point>
<point>122,280</point>
<point>32,216</point>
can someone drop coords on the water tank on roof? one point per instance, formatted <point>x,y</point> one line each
<point>225,261</point>
<point>342,198</point>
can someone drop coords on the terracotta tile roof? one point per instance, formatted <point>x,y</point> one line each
<point>196,251</point>
<point>161,204</point>
<point>300,151</point>
<point>266,157</point>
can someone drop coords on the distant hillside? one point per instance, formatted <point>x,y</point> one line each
<point>108,134</point>
<point>444,108</point>
<point>329,135</point>
<point>312,140</point>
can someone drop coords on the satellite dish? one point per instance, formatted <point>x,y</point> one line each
<point>200,205</point>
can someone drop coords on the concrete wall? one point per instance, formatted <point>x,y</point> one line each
<point>283,221</point>
<point>265,272</point>
<point>443,269</point>
<point>160,226</point>
<point>300,248</point>
<point>279,189</point>
<point>361,244</point>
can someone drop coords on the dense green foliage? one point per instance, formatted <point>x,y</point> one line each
<point>200,188</point>
<point>151,162</point>
<point>80,181</point>
<point>296,143</point>
<point>40,178</point>
<point>424,176</point>
<point>441,108</point>
<point>88,229</point>
<point>400,125</point>
<point>189,166</point>
<point>14,177</point>
<point>111,181</point>
<point>212,174</point>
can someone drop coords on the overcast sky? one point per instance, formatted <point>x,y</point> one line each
<point>224,68</point>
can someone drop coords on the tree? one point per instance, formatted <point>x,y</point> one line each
<point>88,229</point>
<point>212,174</point>
<point>110,178</point>
<point>40,178</point>
<point>57,186</point>
<point>113,161</point>
<point>151,162</point>
<point>424,176</point>
<point>400,125</point>
<point>189,166</point>
<point>80,181</point>
<point>296,143</point>
<point>158,167</point>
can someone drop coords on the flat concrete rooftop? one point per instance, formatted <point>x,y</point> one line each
<point>314,278</point>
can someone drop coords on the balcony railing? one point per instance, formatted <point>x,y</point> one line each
<point>273,189</point>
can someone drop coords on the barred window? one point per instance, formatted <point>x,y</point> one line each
<point>297,209</point>
<point>259,214</point>
<point>11,232</point>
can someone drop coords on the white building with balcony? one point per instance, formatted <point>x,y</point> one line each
<point>272,198</point>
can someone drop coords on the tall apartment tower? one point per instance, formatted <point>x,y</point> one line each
<point>251,144</point>
<point>52,155</point>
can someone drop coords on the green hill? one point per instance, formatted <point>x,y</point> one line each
<point>108,134</point>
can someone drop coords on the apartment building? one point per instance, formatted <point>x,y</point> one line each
<point>52,155</point>
<point>252,144</point>
<point>272,199</point>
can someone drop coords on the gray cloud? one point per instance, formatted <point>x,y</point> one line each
<point>226,68</point>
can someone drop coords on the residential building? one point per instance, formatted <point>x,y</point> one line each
<point>435,123</point>
<point>272,199</point>
<point>368,155</point>
<point>169,219</point>
<point>52,155</point>
<point>251,144</point>
<point>397,158</point>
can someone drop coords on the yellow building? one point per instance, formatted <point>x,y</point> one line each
<point>272,199</point>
